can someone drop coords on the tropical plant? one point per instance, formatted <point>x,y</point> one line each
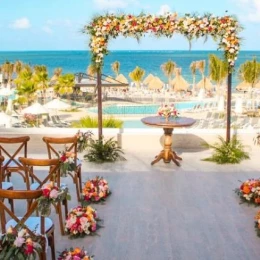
<point>201,67</point>
<point>18,65</point>
<point>101,150</point>
<point>136,75</point>
<point>168,69</point>
<point>92,70</point>
<point>8,70</point>
<point>41,79</point>
<point>250,72</point>
<point>218,69</point>
<point>92,122</point>
<point>227,152</point>
<point>116,67</point>
<point>65,84</point>
<point>56,74</point>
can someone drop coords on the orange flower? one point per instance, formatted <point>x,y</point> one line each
<point>77,250</point>
<point>246,189</point>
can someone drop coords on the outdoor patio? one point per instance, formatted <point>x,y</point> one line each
<point>165,211</point>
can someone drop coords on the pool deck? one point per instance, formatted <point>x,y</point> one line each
<point>165,211</point>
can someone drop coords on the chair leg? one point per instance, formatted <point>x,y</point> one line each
<point>65,204</point>
<point>80,180</point>
<point>11,202</point>
<point>60,219</point>
<point>77,186</point>
<point>52,245</point>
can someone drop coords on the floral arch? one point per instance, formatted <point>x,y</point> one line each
<point>224,29</point>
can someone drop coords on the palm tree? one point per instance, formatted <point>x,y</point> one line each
<point>56,74</point>
<point>218,69</point>
<point>116,67</point>
<point>65,84</point>
<point>201,67</point>
<point>92,70</point>
<point>8,70</point>
<point>18,65</point>
<point>193,69</point>
<point>250,72</point>
<point>136,75</point>
<point>168,69</point>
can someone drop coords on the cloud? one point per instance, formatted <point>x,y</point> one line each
<point>164,9</point>
<point>250,10</point>
<point>47,29</point>
<point>20,24</point>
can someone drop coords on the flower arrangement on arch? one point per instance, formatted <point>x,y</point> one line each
<point>67,162</point>
<point>83,139</point>
<point>166,110</point>
<point>75,254</point>
<point>81,221</point>
<point>19,244</point>
<point>51,194</point>
<point>249,191</point>
<point>95,190</point>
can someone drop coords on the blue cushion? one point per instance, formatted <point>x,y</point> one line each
<point>33,223</point>
<point>35,186</point>
<point>7,185</point>
<point>12,163</point>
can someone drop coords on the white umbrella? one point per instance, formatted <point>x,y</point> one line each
<point>35,109</point>
<point>239,106</point>
<point>7,120</point>
<point>57,104</point>
<point>221,104</point>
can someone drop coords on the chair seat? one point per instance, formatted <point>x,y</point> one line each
<point>7,185</point>
<point>33,223</point>
<point>35,186</point>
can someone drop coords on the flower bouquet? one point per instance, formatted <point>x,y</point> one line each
<point>50,195</point>
<point>19,244</point>
<point>67,162</point>
<point>81,221</point>
<point>167,111</point>
<point>75,254</point>
<point>95,190</point>
<point>83,139</point>
<point>249,191</point>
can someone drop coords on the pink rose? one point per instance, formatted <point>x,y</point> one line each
<point>54,194</point>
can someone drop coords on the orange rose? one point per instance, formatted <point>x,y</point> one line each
<point>246,189</point>
<point>77,250</point>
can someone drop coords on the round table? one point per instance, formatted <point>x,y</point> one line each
<point>167,154</point>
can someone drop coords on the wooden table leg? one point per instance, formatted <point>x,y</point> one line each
<point>167,154</point>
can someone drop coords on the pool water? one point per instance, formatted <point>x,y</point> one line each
<point>140,109</point>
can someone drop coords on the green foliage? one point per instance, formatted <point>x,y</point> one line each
<point>100,151</point>
<point>218,69</point>
<point>168,69</point>
<point>227,152</point>
<point>92,122</point>
<point>136,75</point>
<point>115,66</point>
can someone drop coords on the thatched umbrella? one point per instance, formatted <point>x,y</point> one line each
<point>179,83</point>
<point>155,83</point>
<point>122,79</point>
<point>243,86</point>
<point>257,85</point>
<point>205,83</point>
<point>109,79</point>
<point>148,79</point>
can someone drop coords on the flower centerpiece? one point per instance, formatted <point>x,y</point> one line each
<point>95,190</point>
<point>67,162</point>
<point>30,119</point>
<point>75,254</point>
<point>83,139</point>
<point>19,244</point>
<point>81,221</point>
<point>51,194</point>
<point>249,191</point>
<point>167,111</point>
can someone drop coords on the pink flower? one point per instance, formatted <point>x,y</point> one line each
<point>54,194</point>
<point>19,241</point>
<point>94,227</point>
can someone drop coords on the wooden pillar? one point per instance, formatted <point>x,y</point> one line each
<point>229,94</point>
<point>99,98</point>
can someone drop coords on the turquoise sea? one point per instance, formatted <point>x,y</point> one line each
<point>150,61</point>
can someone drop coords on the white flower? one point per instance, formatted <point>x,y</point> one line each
<point>21,233</point>
<point>231,50</point>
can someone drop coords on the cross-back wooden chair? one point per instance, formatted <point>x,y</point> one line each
<point>4,184</point>
<point>11,148</point>
<point>55,145</point>
<point>38,179</point>
<point>42,227</point>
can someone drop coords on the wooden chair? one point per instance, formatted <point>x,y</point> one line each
<point>38,179</point>
<point>37,226</point>
<point>11,148</point>
<point>5,185</point>
<point>56,144</point>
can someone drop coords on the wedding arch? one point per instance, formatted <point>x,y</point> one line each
<point>224,29</point>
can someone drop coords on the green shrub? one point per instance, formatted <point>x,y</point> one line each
<point>92,122</point>
<point>100,151</point>
<point>227,152</point>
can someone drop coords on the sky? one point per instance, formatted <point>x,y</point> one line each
<point>57,24</point>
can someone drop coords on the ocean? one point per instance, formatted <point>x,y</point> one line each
<point>150,61</point>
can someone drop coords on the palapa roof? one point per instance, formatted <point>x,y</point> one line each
<point>155,83</point>
<point>122,79</point>
<point>205,83</point>
<point>148,79</point>
<point>179,84</point>
<point>243,86</point>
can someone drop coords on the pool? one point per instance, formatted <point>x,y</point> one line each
<point>146,109</point>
